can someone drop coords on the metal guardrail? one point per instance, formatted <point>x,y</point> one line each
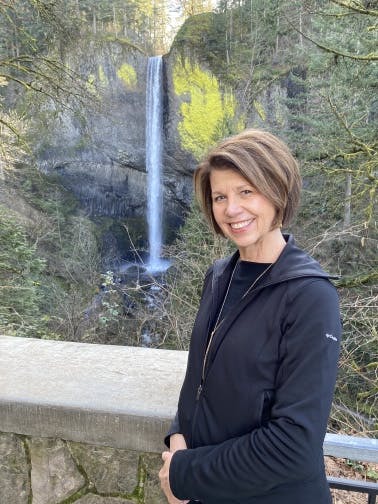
<point>353,448</point>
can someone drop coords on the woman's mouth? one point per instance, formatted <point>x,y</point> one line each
<point>241,224</point>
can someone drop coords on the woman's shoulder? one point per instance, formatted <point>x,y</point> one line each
<point>312,290</point>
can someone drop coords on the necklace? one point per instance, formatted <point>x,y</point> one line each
<point>257,279</point>
<point>219,322</point>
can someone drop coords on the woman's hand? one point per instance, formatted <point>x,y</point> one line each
<point>164,478</point>
<point>176,442</point>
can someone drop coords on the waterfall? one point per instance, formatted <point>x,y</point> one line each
<point>154,149</point>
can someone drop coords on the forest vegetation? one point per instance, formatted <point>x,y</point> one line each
<point>324,52</point>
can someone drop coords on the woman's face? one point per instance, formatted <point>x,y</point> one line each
<point>245,216</point>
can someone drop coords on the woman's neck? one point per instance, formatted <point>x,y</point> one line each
<point>266,250</point>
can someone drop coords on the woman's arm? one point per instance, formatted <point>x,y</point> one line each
<point>288,448</point>
<point>177,442</point>
<point>173,429</point>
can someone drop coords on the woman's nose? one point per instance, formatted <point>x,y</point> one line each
<point>233,208</point>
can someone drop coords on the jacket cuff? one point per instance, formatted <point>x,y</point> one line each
<point>178,467</point>
<point>182,477</point>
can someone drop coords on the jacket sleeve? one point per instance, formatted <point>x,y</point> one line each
<point>289,447</point>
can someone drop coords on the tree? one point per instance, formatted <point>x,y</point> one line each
<point>27,28</point>
<point>349,135</point>
<point>193,7</point>
<point>308,71</point>
<point>20,275</point>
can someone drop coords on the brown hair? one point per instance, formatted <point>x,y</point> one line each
<point>262,159</point>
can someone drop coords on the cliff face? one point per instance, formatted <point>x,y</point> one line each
<point>98,151</point>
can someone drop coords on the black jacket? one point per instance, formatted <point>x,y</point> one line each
<point>256,429</point>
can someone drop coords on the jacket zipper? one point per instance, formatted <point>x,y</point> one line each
<point>200,386</point>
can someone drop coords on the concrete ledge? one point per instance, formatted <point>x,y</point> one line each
<point>123,397</point>
<point>117,396</point>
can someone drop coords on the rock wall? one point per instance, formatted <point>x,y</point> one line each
<point>99,149</point>
<point>54,471</point>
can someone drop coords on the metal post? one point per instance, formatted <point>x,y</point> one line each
<point>372,498</point>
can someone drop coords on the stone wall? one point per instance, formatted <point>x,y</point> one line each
<point>46,470</point>
<point>84,423</point>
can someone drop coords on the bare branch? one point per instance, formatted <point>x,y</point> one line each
<point>9,126</point>
<point>364,147</point>
<point>356,7</point>
<point>364,57</point>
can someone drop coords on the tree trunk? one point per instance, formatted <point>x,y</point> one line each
<point>114,21</point>
<point>94,23</point>
<point>348,196</point>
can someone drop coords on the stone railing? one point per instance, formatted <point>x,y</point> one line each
<point>84,423</point>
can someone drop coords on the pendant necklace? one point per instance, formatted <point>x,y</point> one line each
<point>219,322</point>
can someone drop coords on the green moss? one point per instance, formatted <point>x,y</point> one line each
<point>259,109</point>
<point>128,76</point>
<point>138,493</point>
<point>24,441</point>
<point>207,113</point>
<point>76,496</point>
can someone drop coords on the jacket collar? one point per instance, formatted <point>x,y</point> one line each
<point>292,263</point>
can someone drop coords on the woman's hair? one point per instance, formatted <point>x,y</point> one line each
<point>262,159</point>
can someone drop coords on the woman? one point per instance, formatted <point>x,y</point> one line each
<point>262,363</point>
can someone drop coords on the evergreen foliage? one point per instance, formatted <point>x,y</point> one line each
<point>20,280</point>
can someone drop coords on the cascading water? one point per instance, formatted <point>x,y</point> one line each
<point>154,149</point>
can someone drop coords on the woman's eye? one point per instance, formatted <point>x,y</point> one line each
<point>218,198</point>
<point>247,191</point>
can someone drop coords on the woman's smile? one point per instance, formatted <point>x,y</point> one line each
<point>240,225</point>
